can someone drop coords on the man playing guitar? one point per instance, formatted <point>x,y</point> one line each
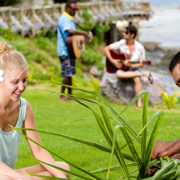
<point>134,55</point>
<point>66,28</point>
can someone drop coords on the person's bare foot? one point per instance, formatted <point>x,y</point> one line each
<point>139,104</point>
<point>149,76</point>
<point>65,99</point>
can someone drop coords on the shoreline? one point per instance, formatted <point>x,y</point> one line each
<point>162,27</point>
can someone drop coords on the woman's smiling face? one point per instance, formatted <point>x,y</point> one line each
<point>15,82</point>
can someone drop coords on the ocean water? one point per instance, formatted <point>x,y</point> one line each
<point>163,26</point>
<point>165,2</point>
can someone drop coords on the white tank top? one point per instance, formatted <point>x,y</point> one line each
<point>9,141</point>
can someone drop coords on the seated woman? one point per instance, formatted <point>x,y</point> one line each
<point>15,111</point>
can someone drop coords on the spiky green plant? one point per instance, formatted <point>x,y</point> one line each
<point>94,83</point>
<point>168,100</point>
<point>112,126</point>
<point>168,169</point>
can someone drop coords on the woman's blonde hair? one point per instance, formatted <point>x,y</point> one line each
<point>9,58</point>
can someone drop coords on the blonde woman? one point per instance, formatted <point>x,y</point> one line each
<point>17,112</point>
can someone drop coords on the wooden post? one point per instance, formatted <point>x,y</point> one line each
<point>22,21</point>
<point>43,17</point>
<point>33,21</point>
<point>62,8</point>
<point>99,10</point>
<point>121,6</point>
<point>113,33</point>
<point>136,22</point>
<point>9,17</point>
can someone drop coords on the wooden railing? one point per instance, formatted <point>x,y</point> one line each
<point>30,20</point>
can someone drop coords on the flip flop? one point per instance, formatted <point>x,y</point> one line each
<point>150,78</point>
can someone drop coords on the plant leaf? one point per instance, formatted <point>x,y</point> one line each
<point>150,145</point>
<point>144,122</point>
<point>51,152</point>
<point>131,146</point>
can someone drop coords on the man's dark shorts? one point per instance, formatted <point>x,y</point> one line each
<point>67,66</point>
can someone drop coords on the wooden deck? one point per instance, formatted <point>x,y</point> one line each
<point>29,20</point>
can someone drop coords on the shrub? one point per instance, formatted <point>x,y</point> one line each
<point>8,34</point>
<point>9,2</point>
<point>90,57</point>
<point>88,21</point>
<point>94,83</point>
<point>100,31</point>
<point>169,101</point>
<point>42,76</point>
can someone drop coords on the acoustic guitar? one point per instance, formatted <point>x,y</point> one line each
<point>76,45</point>
<point>121,56</point>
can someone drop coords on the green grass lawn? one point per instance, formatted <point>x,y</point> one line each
<point>75,120</point>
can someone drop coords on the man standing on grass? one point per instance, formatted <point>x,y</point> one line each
<point>171,149</point>
<point>66,27</point>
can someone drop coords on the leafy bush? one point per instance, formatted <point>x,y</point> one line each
<point>88,21</point>
<point>94,83</point>
<point>9,2</point>
<point>178,100</point>
<point>169,101</point>
<point>42,76</point>
<point>90,57</point>
<point>100,30</point>
<point>39,58</point>
<point>48,44</point>
<point>8,34</point>
<point>166,169</point>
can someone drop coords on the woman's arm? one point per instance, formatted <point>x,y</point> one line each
<point>9,172</point>
<point>38,152</point>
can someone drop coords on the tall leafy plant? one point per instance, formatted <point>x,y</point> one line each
<point>100,31</point>
<point>88,22</point>
<point>111,131</point>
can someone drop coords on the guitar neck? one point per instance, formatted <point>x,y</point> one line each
<point>147,62</point>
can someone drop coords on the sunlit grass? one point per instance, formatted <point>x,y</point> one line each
<point>74,120</point>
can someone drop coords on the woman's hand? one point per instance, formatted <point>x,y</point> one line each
<point>22,177</point>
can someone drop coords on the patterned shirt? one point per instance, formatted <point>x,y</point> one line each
<point>138,53</point>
